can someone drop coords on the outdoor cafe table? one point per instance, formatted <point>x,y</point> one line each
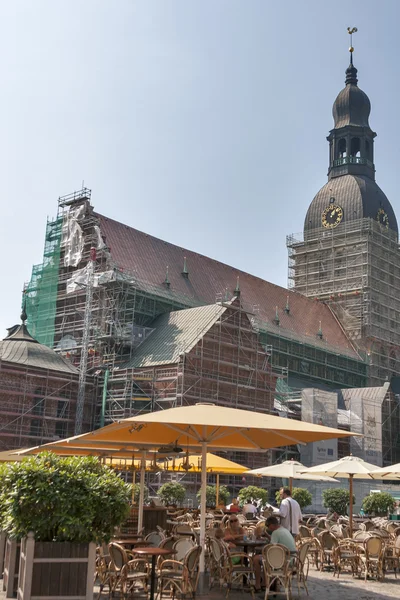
<point>131,542</point>
<point>251,544</point>
<point>154,552</point>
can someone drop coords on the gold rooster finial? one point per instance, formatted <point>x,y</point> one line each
<point>350,31</point>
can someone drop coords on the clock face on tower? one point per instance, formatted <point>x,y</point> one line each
<point>382,218</point>
<point>332,216</point>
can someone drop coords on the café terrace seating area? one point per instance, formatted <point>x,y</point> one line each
<point>165,562</point>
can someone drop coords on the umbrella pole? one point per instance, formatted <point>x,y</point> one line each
<point>291,485</point>
<point>217,492</point>
<point>351,505</point>
<point>203,504</point>
<point>141,493</point>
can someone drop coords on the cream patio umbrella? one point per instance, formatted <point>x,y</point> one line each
<point>348,467</point>
<point>289,469</point>
<point>389,472</point>
<point>202,427</point>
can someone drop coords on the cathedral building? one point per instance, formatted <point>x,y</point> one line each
<point>154,325</point>
<point>348,256</point>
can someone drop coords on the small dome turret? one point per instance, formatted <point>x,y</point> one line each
<point>352,105</point>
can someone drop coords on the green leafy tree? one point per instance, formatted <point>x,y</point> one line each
<point>379,503</point>
<point>171,493</point>
<point>211,495</point>
<point>337,500</point>
<point>252,492</point>
<point>301,495</point>
<point>136,492</point>
<point>75,499</point>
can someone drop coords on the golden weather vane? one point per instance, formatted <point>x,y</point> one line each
<point>350,31</point>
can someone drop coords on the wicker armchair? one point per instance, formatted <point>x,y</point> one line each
<point>346,555</point>
<point>120,557</point>
<point>328,544</point>
<point>372,558</point>
<point>302,565</point>
<point>236,569</point>
<point>277,565</point>
<point>180,576</point>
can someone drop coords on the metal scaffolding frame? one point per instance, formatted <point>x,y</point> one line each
<point>355,269</point>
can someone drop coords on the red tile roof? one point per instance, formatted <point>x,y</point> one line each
<point>208,279</point>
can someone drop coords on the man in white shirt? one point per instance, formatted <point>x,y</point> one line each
<point>249,508</point>
<point>289,511</point>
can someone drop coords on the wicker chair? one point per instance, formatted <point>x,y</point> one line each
<point>328,544</point>
<point>346,554</point>
<point>302,566</point>
<point>154,538</point>
<point>392,556</point>
<point>237,568</point>
<point>277,568</point>
<point>372,557</point>
<point>182,546</point>
<point>119,576</point>
<point>104,573</point>
<point>180,576</point>
<point>216,562</point>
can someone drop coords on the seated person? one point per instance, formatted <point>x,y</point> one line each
<point>279,535</point>
<point>249,509</point>
<point>233,532</point>
<point>261,531</point>
<point>234,507</point>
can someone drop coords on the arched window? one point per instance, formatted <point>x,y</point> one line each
<point>342,148</point>
<point>355,147</point>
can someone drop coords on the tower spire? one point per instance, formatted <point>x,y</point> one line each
<point>351,71</point>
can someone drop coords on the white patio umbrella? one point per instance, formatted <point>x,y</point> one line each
<point>202,427</point>
<point>290,469</point>
<point>390,472</point>
<point>348,467</point>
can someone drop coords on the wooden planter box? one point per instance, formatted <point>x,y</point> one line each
<point>56,570</point>
<point>11,566</point>
<point>3,538</point>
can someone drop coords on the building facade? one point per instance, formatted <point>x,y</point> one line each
<point>38,390</point>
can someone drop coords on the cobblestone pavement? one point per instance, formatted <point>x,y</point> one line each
<point>321,586</point>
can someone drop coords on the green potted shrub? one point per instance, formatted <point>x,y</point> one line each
<point>337,500</point>
<point>252,492</point>
<point>378,504</point>
<point>59,508</point>
<point>136,493</point>
<point>172,494</point>
<point>211,495</point>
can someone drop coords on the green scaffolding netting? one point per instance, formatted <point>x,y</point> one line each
<point>41,291</point>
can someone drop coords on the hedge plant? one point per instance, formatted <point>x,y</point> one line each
<point>211,495</point>
<point>379,503</point>
<point>337,500</point>
<point>136,492</point>
<point>252,492</point>
<point>74,499</point>
<point>171,493</point>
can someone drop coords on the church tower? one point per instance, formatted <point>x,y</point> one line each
<point>348,256</point>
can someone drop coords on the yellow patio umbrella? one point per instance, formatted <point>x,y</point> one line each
<point>203,427</point>
<point>348,467</point>
<point>289,469</point>
<point>11,456</point>
<point>190,463</point>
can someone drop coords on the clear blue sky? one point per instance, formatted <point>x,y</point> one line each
<point>202,122</point>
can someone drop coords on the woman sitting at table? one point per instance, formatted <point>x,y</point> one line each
<point>233,532</point>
